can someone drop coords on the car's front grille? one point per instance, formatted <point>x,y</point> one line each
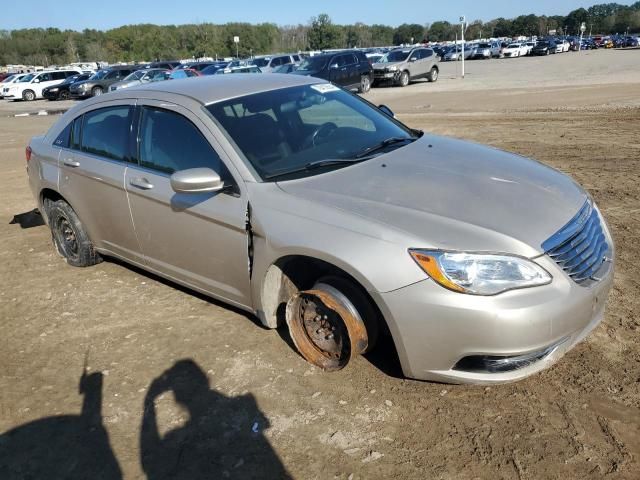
<point>580,246</point>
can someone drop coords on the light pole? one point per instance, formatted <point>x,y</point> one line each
<point>583,28</point>
<point>462,22</point>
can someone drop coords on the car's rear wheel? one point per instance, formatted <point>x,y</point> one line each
<point>433,75</point>
<point>404,79</point>
<point>28,95</point>
<point>63,95</point>
<point>365,84</point>
<point>332,323</point>
<point>69,236</point>
<point>96,91</point>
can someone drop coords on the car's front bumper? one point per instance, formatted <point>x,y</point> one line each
<point>434,329</point>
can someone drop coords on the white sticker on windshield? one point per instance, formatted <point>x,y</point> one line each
<point>325,88</point>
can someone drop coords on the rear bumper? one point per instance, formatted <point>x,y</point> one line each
<point>440,334</point>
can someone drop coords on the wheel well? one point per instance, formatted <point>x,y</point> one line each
<point>291,274</point>
<point>437,68</point>
<point>47,196</point>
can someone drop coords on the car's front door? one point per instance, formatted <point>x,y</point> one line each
<point>338,73</point>
<point>92,163</point>
<point>196,238</point>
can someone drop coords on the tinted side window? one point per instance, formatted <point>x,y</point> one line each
<point>58,76</point>
<point>169,142</point>
<point>426,53</point>
<point>112,75</point>
<point>105,132</point>
<point>76,134</point>
<point>64,138</point>
<point>45,77</point>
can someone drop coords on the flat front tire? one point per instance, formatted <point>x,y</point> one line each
<point>69,236</point>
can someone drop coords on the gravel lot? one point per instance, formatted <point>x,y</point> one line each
<point>249,406</point>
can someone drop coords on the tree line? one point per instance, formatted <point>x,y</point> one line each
<point>145,42</point>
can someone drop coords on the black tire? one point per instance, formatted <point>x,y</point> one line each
<point>365,84</point>
<point>96,91</point>
<point>362,304</point>
<point>64,95</point>
<point>69,236</point>
<point>433,75</point>
<point>404,79</point>
<point>28,95</point>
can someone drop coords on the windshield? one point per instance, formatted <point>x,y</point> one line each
<point>27,78</point>
<point>134,76</point>
<point>543,44</point>
<point>396,56</point>
<point>99,75</point>
<point>282,131</point>
<point>514,45</point>
<point>9,79</point>
<point>313,64</point>
<point>259,62</point>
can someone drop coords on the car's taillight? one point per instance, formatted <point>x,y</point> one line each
<point>27,152</point>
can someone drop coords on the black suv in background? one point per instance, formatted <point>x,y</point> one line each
<point>348,69</point>
<point>100,81</point>
<point>61,90</point>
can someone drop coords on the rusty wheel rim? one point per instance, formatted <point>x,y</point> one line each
<point>323,327</point>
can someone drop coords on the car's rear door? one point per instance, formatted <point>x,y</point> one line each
<point>92,172</point>
<point>196,238</point>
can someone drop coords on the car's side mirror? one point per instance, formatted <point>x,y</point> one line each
<point>413,59</point>
<point>334,66</point>
<point>196,180</point>
<point>386,110</point>
<point>37,80</point>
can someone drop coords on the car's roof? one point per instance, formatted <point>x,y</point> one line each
<point>214,88</point>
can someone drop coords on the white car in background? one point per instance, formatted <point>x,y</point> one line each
<point>267,64</point>
<point>9,80</point>
<point>30,86</point>
<point>515,50</point>
<point>562,46</point>
<point>529,46</point>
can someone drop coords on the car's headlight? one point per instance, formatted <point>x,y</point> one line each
<point>392,69</point>
<point>54,89</point>
<point>479,273</point>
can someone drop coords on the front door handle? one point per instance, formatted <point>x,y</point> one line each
<point>141,183</point>
<point>71,163</point>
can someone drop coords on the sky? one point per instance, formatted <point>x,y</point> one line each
<point>105,14</point>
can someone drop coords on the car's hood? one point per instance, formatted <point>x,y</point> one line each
<point>449,194</point>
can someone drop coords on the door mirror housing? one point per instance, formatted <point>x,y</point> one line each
<point>196,180</point>
<point>413,59</point>
<point>334,66</point>
<point>386,110</point>
<point>36,80</point>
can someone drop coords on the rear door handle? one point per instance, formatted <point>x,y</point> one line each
<point>141,183</point>
<point>71,163</point>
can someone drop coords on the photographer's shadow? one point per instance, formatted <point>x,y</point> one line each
<point>63,446</point>
<point>221,439</point>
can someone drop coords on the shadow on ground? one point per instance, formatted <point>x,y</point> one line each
<point>222,437</point>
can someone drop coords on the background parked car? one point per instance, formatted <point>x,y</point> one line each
<point>140,77</point>
<point>241,69</point>
<point>198,66</point>
<point>288,68</point>
<point>544,47</point>
<point>349,69</point>
<point>100,82</point>
<point>562,46</point>
<point>482,51</point>
<point>514,50</point>
<point>166,65</point>
<point>404,65</point>
<point>270,62</point>
<point>30,86</point>
<point>61,91</point>
<point>8,80</point>
<point>184,73</point>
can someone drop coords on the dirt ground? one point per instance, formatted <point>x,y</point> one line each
<point>262,411</point>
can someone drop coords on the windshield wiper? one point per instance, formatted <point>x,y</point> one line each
<point>327,162</point>
<point>382,145</point>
